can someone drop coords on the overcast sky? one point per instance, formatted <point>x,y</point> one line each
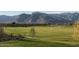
<point>11,13</point>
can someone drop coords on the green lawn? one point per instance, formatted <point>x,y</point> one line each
<point>46,36</point>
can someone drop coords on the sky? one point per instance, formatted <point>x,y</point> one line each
<point>11,13</point>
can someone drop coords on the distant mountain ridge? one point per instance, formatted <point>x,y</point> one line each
<point>40,18</point>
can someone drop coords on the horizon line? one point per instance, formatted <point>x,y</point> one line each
<point>13,13</point>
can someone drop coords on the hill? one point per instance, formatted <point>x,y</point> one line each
<point>40,18</point>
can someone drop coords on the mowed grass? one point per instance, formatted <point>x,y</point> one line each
<point>46,36</point>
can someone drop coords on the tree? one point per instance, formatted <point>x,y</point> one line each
<point>1,30</point>
<point>33,33</point>
<point>13,23</point>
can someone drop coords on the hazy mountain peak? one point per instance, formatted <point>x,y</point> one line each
<point>39,17</point>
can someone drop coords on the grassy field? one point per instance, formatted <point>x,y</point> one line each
<point>46,36</point>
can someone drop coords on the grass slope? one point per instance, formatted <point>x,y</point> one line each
<point>46,36</point>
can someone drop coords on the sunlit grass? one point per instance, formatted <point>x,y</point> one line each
<point>45,36</point>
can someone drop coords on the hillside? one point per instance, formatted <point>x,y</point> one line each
<point>40,18</point>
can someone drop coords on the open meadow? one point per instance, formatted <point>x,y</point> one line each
<point>44,36</point>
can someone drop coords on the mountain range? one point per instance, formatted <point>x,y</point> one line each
<point>40,18</point>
